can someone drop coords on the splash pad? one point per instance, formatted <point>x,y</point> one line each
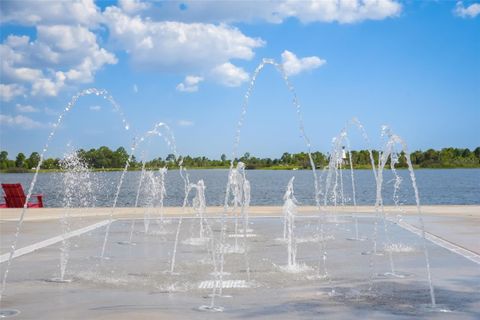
<point>290,265</point>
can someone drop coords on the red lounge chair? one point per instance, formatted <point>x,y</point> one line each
<point>15,197</point>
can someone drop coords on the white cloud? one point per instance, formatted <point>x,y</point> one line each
<point>168,46</point>
<point>95,108</point>
<point>135,88</point>
<point>34,12</point>
<point>190,84</point>
<point>307,11</point>
<point>185,123</point>
<point>46,87</point>
<point>10,91</point>
<point>471,11</point>
<point>229,75</point>
<point>185,37</point>
<point>20,121</point>
<point>293,65</point>
<point>343,11</point>
<point>133,6</point>
<point>59,56</point>
<point>25,108</point>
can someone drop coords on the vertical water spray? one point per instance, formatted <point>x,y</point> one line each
<point>117,193</point>
<point>137,197</point>
<point>199,204</point>
<point>175,245</point>
<point>356,123</point>
<point>160,129</point>
<point>290,210</point>
<point>296,105</point>
<point>151,194</point>
<point>393,140</point>
<point>66,110</point>
<point>155,191</point>
<point>354,195</point>
<point>78,192</point>
<point>238,187</point>
<point>214,248</point>
<point>245,209</point>
<point>330,193</point>
<point>379,202</point>
<point>199,207</point>
<point>162,172</point>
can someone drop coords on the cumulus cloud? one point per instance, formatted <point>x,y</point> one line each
<point>168,46</point>
<point>229,75</point>
<point>343,11</point>
<point>34,12</point>
<point>133,6</point>
<point>25,108</point>
<point>59,55</point>
<point>307,11</point>
<point>183,37</point>
<point>20,121</point>
<point>190,84</point>
<point>185,123</point>
<point>10,91</point>
<point>471,11</point>
<point>293,65</point>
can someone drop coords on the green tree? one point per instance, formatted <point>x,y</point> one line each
<point>119,158</point>
<point>286,158</point>
<point>102,157</point>
<point>170,158</point>
<point>20,160</point>
<point>51,163</point>
<point>417,157</point>
<point>476,152</point>
<point>466,153</point>
<point>3,160</point>
<point>33,160</point>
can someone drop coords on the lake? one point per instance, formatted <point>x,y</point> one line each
<point>436,186</point>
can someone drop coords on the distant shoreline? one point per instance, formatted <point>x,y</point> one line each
<point>105,159</point>
<point>226,168</point>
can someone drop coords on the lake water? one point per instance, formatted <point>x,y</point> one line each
<point>450,186</point>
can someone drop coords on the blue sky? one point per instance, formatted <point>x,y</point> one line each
<point>413,65</point>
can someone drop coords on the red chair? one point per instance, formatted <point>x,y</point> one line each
<point>15,197</point>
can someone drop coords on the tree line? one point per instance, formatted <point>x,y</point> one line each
<point>104,158</point>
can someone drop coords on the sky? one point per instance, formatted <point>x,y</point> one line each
<point>411,65</point>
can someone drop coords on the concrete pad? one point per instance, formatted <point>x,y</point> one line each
<point>133,282</point>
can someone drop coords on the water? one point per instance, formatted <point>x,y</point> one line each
<point>153,190</point>
<point>78,192</point>
<point>394,140</point>
<point>261,188</point>
<point>289,211</point>
<point>236,143</point>
<point>436,187</point>
<point>175,246</point>
<point>92,91</point>
<point>169,140</point>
